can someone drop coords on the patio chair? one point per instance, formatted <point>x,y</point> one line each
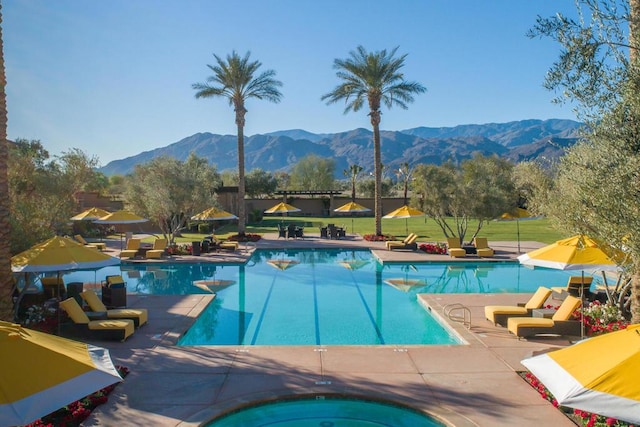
<point>104,329</point>
<point>97,245</point>
<point>53,287</point>
<point>282,231</point>
<point>454,248</point>
<point>559,324</point>
<point>138,315</point>
<point>396,242</point>
<point>158,249</point>
<point>577,286</point>
<point>132,248</point>
<point>499,314</point>
<point>482,247</point>
<point>408,243</point>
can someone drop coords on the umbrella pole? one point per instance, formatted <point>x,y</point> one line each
<point>518,232</point>
<point>582,306</point>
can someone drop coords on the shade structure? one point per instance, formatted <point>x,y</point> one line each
<point>60,254</point>
<point>351,208</point>
<point>517,214</point>
<point>282,208</point>
<point>574,253</point>
<point>121,217</point>
<point>282,264</point>
<point>42,373</point>
<point>404,212</point>
<point>213,214</point>
<point>597,375</point>
<point>90,214</point>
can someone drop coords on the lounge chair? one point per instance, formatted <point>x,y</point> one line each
<point>455,250</point>
<point>158,249</point>
<point>98,245</point>
<point>400,243</point>
<point>138,315</point>
<point>482,247</point>
<point>577,286</point>
<point>106,329</point>
<point>409,243</point>
<point>227,245</point>
<point>132,248</point>
<point>559,324</point>
<point>498,314</point>
<point>53,287</point>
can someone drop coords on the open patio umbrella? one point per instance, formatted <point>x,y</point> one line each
<point>404,212</point>
<point>213,214</point>
<point>351,208</point>
<point>42,373</point>
<point>60,254</point>
<point>90,214</point>
<point>517,214</point>
<point>282,208</point>
<point>597,375</point>
<point>121,217</point>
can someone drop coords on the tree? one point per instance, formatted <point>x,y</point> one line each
<point>313,173</point>
<point>405,173</point>
<point>353,172</point>
<point>235,80</point>
<point>260,183</point>
<point>81,171</point>
<point>599,69</point>
<point>481,188</point>
<point>374,77</point>
<point>169,191</point>
<point>6,278</point>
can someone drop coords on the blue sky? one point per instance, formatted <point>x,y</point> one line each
<point>113,78</point>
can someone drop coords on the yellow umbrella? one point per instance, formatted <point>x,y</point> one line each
<point>517,214</point>
<point>282,264</point>
<point>282,208</point>
<point>213,214</point>
<point>42,373</point>
<point>351,207</point>
<point>597,375</point>
<point>90,214</point>
<point>121,217</point>
<point>574,253</point>
<point>59,254</point>
<point>405,212</point>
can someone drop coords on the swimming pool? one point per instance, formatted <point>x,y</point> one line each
<point>318,297</point>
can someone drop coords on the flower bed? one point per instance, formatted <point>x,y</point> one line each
<point>245,238</point>
<point>378,238</point>
<point>75,413</point>
<point>599,318</point>
<point>433,248</point>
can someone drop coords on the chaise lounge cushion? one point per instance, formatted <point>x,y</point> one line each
<point>138,315</point>
<point>158,249</point>
<point>119,329</point>
<point>498,314</point>
<point>559,324</point>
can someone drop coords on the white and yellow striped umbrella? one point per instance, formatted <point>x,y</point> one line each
<point>598,375</point>
<point>41,373</point>
<point>282,207</point>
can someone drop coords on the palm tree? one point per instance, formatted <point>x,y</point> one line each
<point>6,278</point>
<point>353,172</point>
<point>374,77</point>
<point>235,80</point>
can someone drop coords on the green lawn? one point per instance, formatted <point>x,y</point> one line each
<point>538,229</point>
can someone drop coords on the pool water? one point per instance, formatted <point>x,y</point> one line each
<point>326,412</point>
<point>318,297</point>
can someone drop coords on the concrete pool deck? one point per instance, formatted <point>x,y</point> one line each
<point>465,385</point>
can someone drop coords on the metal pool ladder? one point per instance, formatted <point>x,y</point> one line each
<point>457,312</point>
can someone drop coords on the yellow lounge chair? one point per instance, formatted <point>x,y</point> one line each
<point>98,245</point>
<point>408,243</point>
<point>400,243</point>
<point>455,250</point>
<point>101,329</point>
<point>482,247</point>
<point>498,314</point>
<point>132,248</point>
<point>559,324</point>
<point>577,286</point>
<point>158,249</point>
<point>138,315</point>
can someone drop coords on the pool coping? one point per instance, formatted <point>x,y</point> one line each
<point>466,385</point>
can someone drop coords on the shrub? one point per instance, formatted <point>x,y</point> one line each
<point>433,248</point>
<point>245,238</point>
<point>378,238</point>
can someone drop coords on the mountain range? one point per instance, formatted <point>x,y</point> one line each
<point>278,151</point>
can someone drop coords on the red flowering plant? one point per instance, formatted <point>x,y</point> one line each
<point>580,417</point>
<point>599,318</point>
<point>75,413</point>
<point>378,238</point>
<point>40,318</point>
<point>433,248</point>
<point>248,237</point>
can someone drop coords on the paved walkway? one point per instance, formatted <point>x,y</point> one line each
<point>465,385</point>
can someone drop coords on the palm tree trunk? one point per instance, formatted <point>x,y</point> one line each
<point>378,175</point>
<point>6,278</point>
<point>240,112</point>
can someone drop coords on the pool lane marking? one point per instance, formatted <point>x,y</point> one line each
<point>262,313</point>
<point>366,307</point>
<point>316,316</point>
